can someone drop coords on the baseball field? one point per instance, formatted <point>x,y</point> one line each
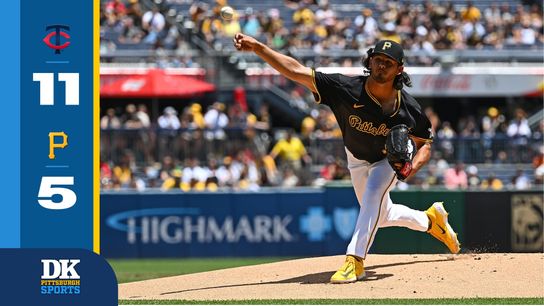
<point>500,278</point>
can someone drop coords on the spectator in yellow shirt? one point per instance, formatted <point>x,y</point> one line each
<point>492,182</point>
<point>304,15</point>
<point>291,151</point>
<point>198,119</point>
<point>389,32</point>
<point>231,27</point>
<point>471,13</point>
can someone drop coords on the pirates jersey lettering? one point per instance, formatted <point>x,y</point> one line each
<point>364,125</point>
<point>367,127</point>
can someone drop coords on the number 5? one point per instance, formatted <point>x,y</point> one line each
<point>47,190</point>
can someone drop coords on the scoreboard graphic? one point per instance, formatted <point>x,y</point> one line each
<point>50,217</point>
<point>57,124</point>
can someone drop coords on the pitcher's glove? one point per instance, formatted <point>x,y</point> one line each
<point>401,149</point>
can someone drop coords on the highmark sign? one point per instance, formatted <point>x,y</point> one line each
<point>214,225</point>
<point>184,225</point>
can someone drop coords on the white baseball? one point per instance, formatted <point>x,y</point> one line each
<point>227,12</point>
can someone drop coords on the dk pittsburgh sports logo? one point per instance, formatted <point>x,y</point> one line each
<point>60,277</point>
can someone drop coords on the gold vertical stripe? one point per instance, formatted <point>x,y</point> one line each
<point>371,96</point>
<point>96,130</point>
<point>315,85</point>
<point>397,101</point>
<point>421,139</point>
<point>397,104</point>
<point>375,228</point>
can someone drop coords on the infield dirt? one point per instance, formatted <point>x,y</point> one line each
<point>388,276</point>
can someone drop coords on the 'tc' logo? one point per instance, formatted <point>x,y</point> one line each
<point>58,33</point>
<point>386,45</point>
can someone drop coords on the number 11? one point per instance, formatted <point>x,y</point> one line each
<point>47,91</point>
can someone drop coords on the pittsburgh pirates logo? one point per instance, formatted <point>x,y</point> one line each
<point>53,145</point>
<point>386,45</point>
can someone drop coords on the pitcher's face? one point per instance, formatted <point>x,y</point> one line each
<point>383,68</point>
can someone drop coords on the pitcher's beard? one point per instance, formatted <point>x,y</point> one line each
<point>379,77</point>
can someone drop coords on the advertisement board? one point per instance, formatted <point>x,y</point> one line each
<point>304,222</point>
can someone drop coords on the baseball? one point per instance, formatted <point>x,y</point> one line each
<point>227,12</point>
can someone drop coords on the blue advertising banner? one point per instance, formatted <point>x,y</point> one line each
<point>57,123</point>
<point>301,223</point>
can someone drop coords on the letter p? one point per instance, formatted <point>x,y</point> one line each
<point>53,145</point>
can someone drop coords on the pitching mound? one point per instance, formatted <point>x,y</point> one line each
<point>388,276</point>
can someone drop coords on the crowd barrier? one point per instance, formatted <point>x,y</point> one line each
<point>305,222</point>
<point>154,144</point>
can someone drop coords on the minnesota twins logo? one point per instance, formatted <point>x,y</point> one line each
<point>57,34</point>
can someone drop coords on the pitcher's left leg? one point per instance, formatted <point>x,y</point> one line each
<point>401,215</point>
<point>381,179</point>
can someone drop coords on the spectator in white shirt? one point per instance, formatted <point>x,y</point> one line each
<point>169,119</point>
<point>519,126</point>
<point>143,116</point>
<point>519,131</point>
<point>528,34</point>
<point>368,23</point>
<point>216,120</point>
<point>153,23</point>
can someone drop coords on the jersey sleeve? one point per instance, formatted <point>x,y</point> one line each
<point>423,129</point>
<point>327,86</point>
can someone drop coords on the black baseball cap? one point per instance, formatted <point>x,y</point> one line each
<point>391,49</point>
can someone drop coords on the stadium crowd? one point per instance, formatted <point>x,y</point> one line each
<point>236,146</point>
<point>231,147</point>
<point>424,27</point>
<point>313,25</point>
<point>126,25</point>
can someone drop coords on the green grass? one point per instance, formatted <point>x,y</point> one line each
<point>130,270</point>
<point>469,301</point>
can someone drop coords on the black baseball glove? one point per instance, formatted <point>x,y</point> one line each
<point>401,149</point>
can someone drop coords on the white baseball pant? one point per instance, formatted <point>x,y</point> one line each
<point>372,183</point>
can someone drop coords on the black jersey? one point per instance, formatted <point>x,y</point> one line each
<point>360,116</point>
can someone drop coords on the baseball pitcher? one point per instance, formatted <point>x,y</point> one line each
<point>386,136</point>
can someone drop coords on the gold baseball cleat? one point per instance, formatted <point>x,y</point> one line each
<point>352,271</point>
<point>440,228</point>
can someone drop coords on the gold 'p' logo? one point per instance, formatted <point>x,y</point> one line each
<point>386,45</point>
<point>53,145</point>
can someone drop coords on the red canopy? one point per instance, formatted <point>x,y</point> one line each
<point>154,83</point>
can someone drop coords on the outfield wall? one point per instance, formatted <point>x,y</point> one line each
<point>304,222</point>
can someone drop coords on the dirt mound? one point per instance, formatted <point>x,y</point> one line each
<point>388,276</point>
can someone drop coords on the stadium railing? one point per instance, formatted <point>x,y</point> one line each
<point>153,144</point>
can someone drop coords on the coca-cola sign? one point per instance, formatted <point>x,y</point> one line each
<point>467,81</point>
<point>446,82</point>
